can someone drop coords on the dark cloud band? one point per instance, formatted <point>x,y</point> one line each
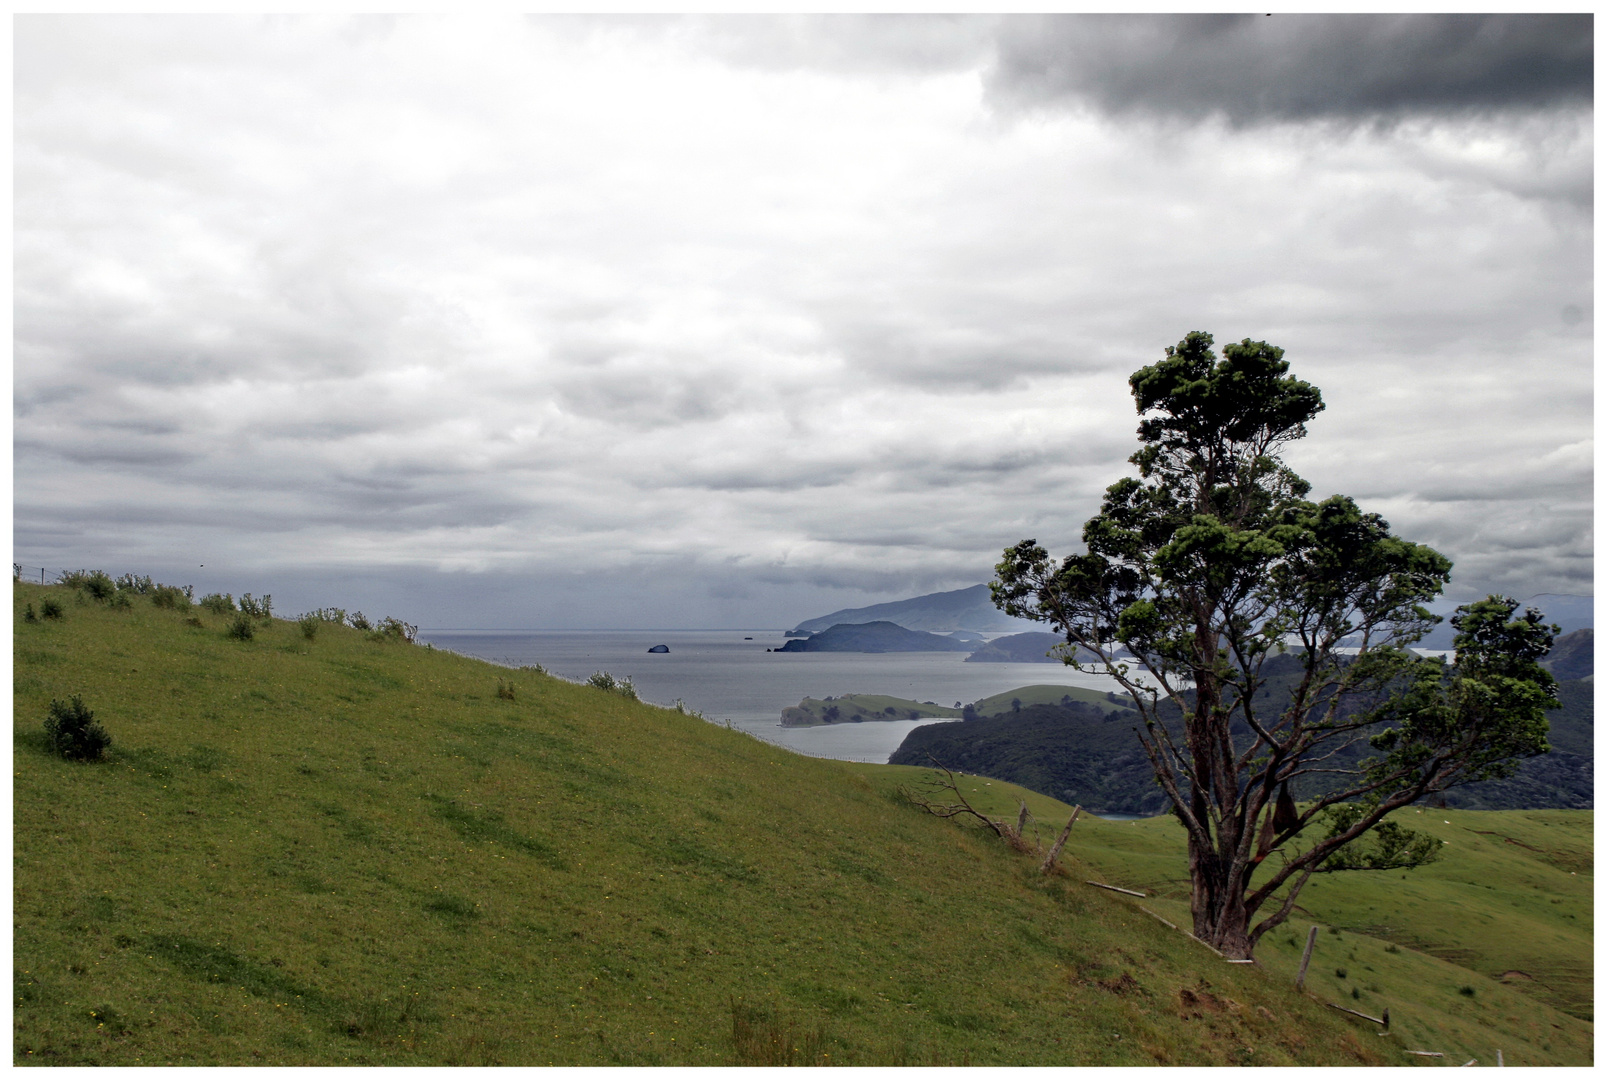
<point>1254,68</point>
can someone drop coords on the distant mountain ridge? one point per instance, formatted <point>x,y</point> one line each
<point>1085,751</point>
<point>941,612</point>
<point>875,637</point>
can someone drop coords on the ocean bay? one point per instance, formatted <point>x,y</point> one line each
<point>729,677</point>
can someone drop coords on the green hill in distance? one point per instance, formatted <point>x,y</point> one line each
<point>1028,648</point>
<point>859,708</point>
<point>348,850</point>
<point>1075,745</point>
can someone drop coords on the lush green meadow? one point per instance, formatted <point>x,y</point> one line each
<point>1048,694</point>
<point>1506,912</point>
<point>346,850</point>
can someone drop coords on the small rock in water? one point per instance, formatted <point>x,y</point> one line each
<point>659,648</point>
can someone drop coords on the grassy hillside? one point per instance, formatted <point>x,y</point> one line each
<point>1506,913</point>
<point>351,851</point>
<point>1046,694</point>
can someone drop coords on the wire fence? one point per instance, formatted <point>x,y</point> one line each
<point>43,575</point>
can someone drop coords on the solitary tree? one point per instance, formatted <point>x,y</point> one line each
<point>1212,562</point>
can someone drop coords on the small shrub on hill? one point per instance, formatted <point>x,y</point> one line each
<point>97,583</point>
<point>257,609</point>
<point>50,608</point>
<point>73,732</point>
<point>170,596</point>
<point>394,629</point>
<point>138,585</point>
<point>218,603</point>
<point>121,600</point>
<point>504,690</point>
<point>358,621</point>
<point>242,628</point>
<point>309,626</point>
<point>28,615</point>
<point>327,614</point>
<point>602,680</point>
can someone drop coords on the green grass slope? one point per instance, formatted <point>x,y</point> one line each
<point>1048,694</point>
<point>1488,948</point>
<point>346,851</point>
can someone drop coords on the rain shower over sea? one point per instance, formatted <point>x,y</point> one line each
<point>727,675</point>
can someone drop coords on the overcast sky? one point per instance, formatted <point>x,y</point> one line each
<point>736,321</point>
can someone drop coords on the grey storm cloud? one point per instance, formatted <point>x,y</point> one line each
<point>1252,68</point>
<point>737,320</point>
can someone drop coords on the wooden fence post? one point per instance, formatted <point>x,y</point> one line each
<point>1060,842</point>
<point>1311,943</point>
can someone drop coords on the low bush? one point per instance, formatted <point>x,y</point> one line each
<point>602,680</point>
<point>170,596</point>
<point>309,626</point>
<point>138,585</point>
<point>394,629</point>
<point>73,732</point>
<point>242,628</point>
<point>358,621</point>
<point>97,583</point>
<point>218,603</point>
<point>327,614</point>
<point>28,615</point>
<point>504,690</point>
<point>50,608</point>
<point>121,600</point>
<point>257,609</point>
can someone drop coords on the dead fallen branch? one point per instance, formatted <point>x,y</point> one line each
<point>1112,888</point>
<point>1012,834</point>
<point>1384,1021</point>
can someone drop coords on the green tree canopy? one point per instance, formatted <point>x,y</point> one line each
<point>1211,561</point>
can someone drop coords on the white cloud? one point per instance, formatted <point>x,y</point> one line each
<point>512,298</point>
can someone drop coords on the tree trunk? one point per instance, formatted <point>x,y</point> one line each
<point>1217,902</point>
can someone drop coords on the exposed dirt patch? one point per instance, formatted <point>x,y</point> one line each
<point>1196,1003</point>
<point>1122,985</point>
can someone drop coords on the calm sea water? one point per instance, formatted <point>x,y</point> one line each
<point>728,676</point>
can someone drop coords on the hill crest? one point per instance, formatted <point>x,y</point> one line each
<point>940,612</point>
